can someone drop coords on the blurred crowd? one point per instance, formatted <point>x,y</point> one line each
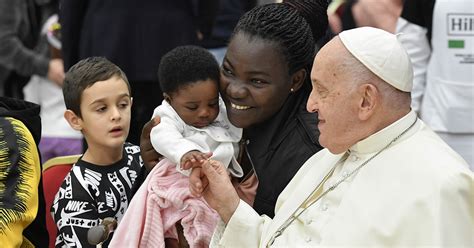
<point>41,39</point>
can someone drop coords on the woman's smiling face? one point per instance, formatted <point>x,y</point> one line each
<point>254,80</point>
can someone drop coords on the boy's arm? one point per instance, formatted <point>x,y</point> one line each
<point>20,174</point>
<point>74,211</point>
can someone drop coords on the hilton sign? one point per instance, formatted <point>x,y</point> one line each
<point>461,24</point>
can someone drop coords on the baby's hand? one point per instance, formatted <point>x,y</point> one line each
<point>193,159</point>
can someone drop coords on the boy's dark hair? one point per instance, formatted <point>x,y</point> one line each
<point>84,74</point>
<point>186,65</point>
<point>294,25</point>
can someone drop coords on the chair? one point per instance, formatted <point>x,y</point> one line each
<point>54,172</point>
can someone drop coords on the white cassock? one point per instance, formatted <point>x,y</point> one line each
<point>416,193</point>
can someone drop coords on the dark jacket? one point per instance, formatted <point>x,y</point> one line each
<point>420,12</point>
<point>279,147</point>
<point>132,34</point>
<point>20,26</point>
<point>17,149</point>
<point>226,19</point>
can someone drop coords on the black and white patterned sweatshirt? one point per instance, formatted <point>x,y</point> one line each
<point>91,193</point>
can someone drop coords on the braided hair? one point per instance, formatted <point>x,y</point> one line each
<point>294,25</point>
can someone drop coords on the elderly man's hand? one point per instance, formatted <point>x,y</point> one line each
<point>219,192</point>
<point>149,155</point>
<point>197,182</point>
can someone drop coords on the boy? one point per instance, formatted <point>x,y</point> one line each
<point>97,96</point>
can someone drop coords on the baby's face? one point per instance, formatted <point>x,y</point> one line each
<point>197,104</point>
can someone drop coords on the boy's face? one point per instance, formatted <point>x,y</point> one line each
<point>105,108</point>
<point>197,104</point>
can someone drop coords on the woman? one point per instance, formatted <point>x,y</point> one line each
<point>265,85</point>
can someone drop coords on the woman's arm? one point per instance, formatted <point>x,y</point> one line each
<point>149,155</point>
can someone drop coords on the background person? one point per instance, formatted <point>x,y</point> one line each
<point>439,37</point>
<point>227,16</point>
<point>22,206</point>
<point>134,35</point>
<point>20,53</point>
<point>57,136</point>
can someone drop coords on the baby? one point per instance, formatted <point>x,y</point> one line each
<point>193,117</point>
<point>194,126</point>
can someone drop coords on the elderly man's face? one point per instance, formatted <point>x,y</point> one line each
<point>334,98</point>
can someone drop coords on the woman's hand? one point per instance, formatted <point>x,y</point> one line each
<point>149,155</point>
